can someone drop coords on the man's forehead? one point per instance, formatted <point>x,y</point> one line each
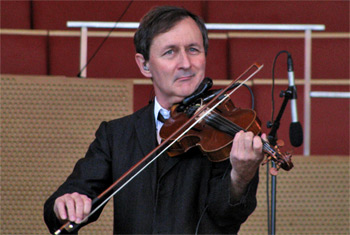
<point>184,31</point>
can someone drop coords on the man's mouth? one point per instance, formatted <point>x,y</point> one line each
<point>184,77</point>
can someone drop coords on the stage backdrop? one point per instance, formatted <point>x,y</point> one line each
<point>47,124</point>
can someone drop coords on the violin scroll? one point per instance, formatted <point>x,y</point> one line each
<point>282,160</point>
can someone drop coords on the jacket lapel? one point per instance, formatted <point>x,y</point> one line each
<point>170,163</point>
<point>146,130</point>
<point>146,134</point>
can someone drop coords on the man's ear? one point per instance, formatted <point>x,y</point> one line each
<point>143,65</point>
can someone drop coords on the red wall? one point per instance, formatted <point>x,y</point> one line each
<point>330,13</point>
<point>24,54</point>
<point>42,54</point>
<point>16,14</point>
<point>54,14</point>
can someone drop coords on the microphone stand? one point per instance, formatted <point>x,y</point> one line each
<point>288,94</point>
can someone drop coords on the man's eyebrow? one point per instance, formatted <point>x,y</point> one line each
<point>174,45</point>
<point>170,46</point>
<point>195,44</point>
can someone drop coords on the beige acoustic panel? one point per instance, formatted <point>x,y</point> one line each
<point>312,198</point>
<point>47,124</point>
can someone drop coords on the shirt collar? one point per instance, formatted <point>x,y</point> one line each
<point>158,108</point>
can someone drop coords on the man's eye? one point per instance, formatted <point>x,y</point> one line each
<point>169,52</point>
<point>193,49</point>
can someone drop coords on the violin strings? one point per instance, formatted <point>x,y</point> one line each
<point>237,128</point>
<point>217,120</point>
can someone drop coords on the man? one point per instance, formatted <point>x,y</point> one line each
<point>182,194</point>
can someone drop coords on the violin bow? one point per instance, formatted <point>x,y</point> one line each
<point>70,226</point>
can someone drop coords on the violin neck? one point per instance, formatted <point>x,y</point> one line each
<point>220,123</point>
<point>267,148</point>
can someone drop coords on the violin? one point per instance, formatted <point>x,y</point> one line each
<point>207,119</point>
<point>214,134</point>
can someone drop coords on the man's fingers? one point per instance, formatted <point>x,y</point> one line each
<point>79,207</point>
<point>87,206</point>
<point>242,144</point>
<point>237,143</point>
<point>74,207</point>
<point>248,140</point>
<point>60,210</point>
<point>70,205</point>
<point>257,144</point>
<point>83,207</point>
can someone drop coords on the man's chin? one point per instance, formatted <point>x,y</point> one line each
<point>185,91</point>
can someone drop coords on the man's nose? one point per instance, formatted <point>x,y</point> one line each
<point>184,60</point>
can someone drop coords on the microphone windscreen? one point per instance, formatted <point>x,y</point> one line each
<point>296,134</point>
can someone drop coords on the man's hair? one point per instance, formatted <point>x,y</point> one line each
<point>160,20</point>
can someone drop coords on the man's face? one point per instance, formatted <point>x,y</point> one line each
<point>177,62</point>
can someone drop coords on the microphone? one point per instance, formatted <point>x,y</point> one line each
<point>295,128</point>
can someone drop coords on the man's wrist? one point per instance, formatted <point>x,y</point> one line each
<point>238,187</point>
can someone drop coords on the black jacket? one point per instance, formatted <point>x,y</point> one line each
<point>189,195</point>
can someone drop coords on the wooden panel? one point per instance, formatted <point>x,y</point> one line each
<point>24,54</point>
<point>312,198</point>
<point>115,59</point>
<point>330,122</point>
<point>64,56</point>
<point>142,95</point>
<point>16,14</point>
<point>218,58</point>
<point>245,51</point>
<point>47,124</point>
<point>329,57</point>
<point>333,14</point>
<point>63,11</point>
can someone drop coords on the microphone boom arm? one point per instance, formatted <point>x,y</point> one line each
<point>288,95</point>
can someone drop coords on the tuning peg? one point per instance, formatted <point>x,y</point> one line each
<point>267,159</point>
<point>280,143</point>
<point>273,171</point>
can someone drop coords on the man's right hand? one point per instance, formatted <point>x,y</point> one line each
<point>73,207</point>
